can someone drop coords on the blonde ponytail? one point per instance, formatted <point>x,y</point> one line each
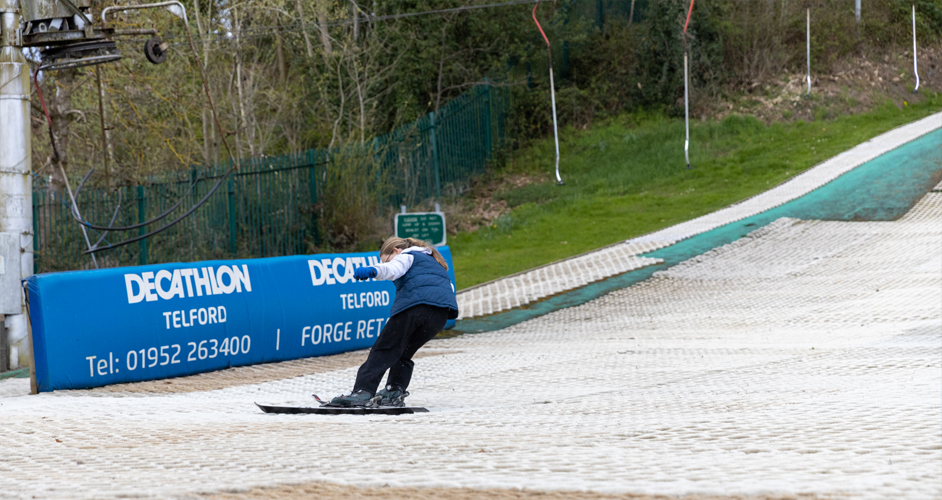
<point>393,243</point>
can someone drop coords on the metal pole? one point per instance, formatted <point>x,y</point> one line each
<point>687,92</point>
<point>78,215</point>
<point>915,68</point>
<point>857,10</point>
<point>171,3</point>
<point>808,49</point>
<point>16,188</point>
<point>686,115</point>
<point>559,180</point>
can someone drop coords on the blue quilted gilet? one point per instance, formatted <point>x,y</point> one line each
<point>426,282</point>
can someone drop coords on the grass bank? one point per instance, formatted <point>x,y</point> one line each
<point>627,177</point>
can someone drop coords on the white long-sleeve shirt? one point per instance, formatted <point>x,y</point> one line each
<point>399,265</point>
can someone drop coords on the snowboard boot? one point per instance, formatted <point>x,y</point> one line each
<point>356,398</point>
<point>392,395</point>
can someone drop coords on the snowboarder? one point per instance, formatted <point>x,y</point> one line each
<point>425,301</point>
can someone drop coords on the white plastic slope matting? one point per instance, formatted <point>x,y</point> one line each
<point>549,280</point>
<point>804,358</point>
<point>569,274</point>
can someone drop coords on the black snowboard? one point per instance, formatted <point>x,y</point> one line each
<point>334,410</point>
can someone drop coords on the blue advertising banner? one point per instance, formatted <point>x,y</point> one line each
<point>93,328</point>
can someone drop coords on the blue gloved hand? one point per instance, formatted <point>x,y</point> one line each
<point>364,273</point>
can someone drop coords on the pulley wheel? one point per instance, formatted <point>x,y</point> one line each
<point>153,52</point>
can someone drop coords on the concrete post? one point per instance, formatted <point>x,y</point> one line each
<point>16,198</point>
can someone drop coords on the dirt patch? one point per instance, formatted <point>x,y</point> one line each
<point>479,208</point>
<point>328,491</point>
<point>854,86</point>
<point>255,374</point>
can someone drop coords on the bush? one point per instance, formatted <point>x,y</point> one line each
<point>732,44</point>
<point>661,67</point>
<point>348,202</point>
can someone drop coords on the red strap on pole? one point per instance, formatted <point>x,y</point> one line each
<point>688,16</point>
<point>39,90</point>
<point>538,24</point>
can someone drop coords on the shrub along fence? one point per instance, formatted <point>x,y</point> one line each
<point>282,205</point>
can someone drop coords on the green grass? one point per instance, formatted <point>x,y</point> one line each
<point>627,177</point>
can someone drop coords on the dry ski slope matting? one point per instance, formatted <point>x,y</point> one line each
<point>803,357</point>
<point>572,273</point>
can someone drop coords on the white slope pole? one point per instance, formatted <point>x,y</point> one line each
<point>808,48</point>
<point>915,68</point>
<point>559,179</point>
<point>686,115</point>
<point>687,93</point>
<point>16,193</point>
<point>857,16</point>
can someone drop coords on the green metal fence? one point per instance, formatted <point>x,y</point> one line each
<point>275,205</point>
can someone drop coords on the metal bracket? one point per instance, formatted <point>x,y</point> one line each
<point>115,8</point>
<point>88,22</point>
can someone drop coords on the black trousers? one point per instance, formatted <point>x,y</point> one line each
<point>399,340</point>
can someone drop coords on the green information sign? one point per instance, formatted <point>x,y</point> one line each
<point>428,226</point>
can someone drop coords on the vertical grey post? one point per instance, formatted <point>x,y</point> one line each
<point>808,49</point>
<point>16,191</point>
<point>915,68</point>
